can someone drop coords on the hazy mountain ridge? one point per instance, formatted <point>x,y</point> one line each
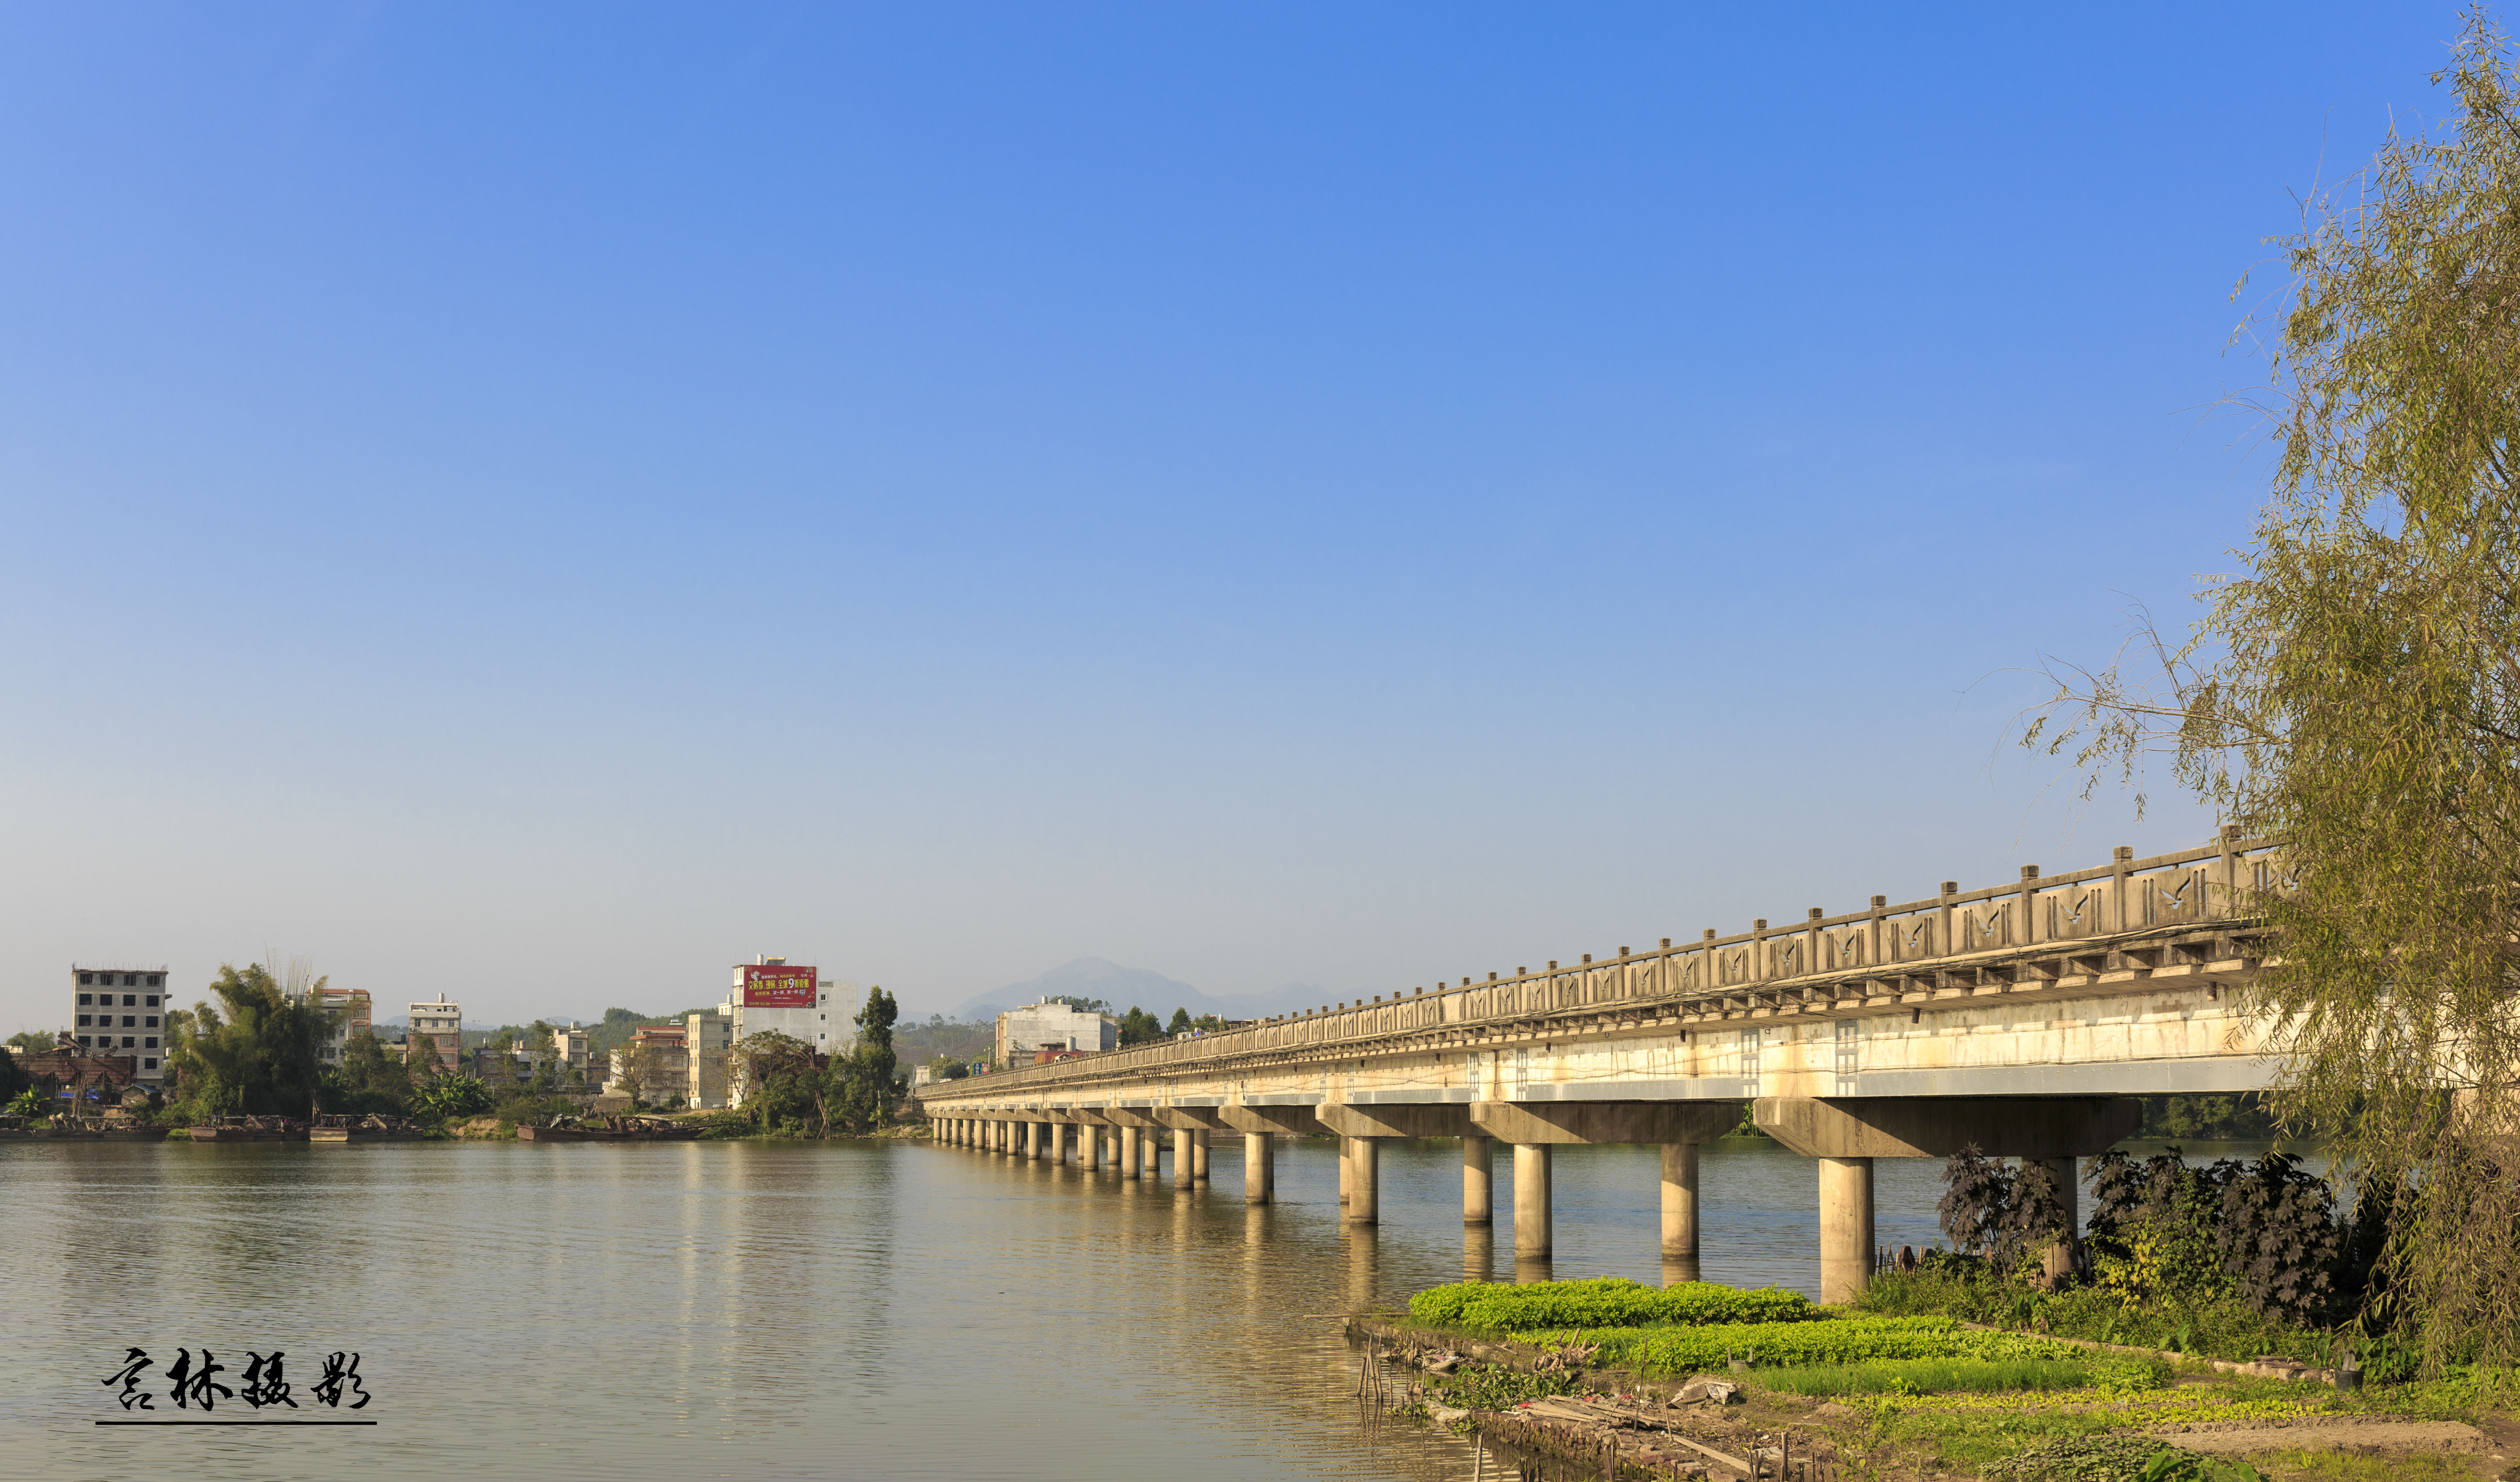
<point>1093,978</point>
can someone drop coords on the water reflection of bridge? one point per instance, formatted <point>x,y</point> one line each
<point>2021,1018</point>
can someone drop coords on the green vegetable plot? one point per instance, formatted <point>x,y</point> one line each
<point>1603,1302</point>
<point>1851,1340</point>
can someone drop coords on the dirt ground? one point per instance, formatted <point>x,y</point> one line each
<point>2494,1451</point>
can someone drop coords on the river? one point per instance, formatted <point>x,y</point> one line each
<point>864,1309</point>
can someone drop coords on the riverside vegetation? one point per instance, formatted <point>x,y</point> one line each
<point>1997,1358</point>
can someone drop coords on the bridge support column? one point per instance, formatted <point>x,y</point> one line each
<point>1680,1199</point>
<point>2068,1192</point>
<point>1199,1156</point>
<point>1845,1228</point>
<point>1363,1161</point>
<point>1259,1168</point>
<point>1128,1153</point>
<point>1057,1144</point>
<point>1531,1193</point>
<point>1089,1148</point>
<point>1154,1142</point>
<point>1185,1157</point>
<point>1478,1181</point>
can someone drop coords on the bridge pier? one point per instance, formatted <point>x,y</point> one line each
<point>1478,1179</point>
<point>1847,1133</point>
<point>1531,1201</point>
<point>1259,1168</point>
<point>1680,1199</point>
<point>1128,1153</point>
<point>1185,1157</point>
<point>1199,1156</point>
<point>1845,1228</point>
<point>1364,1168</point>
<point>1153,1144</point>
<point>1058,1137</point>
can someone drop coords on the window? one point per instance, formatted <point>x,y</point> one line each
<point>129,1000</point>
<point>87,978</point>
<point>85,1019</point>
<point>148,1064</point>
<point>84,1040</point>
<point>152,1043</point>
<point>152,1001</point>
<point>152,1022</point>
<point>86,999</point>
<point>153,980</point>
<point>130,980</point>
<point>127,1022</point>
<point>126,1041</point>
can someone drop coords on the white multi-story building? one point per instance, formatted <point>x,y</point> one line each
<point>771,992</point>
<point>706,1040</point>
<point>347,1014</point>
<point>122,1010</point>
<point>442,1025</point>
<point>1053,1025</point>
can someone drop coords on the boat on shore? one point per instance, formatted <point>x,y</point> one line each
<point>341,1129</point>
<point>251,1130</point>
<point>629,1129</point>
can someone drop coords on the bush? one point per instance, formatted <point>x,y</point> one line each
<point>1602,1302</point>
<point>455,1095</point>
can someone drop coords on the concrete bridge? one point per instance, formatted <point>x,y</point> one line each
<point>2023,1018</point>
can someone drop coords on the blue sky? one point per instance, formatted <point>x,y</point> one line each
<point>542,502</point>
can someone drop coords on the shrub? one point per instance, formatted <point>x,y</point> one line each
<point>1602,1302</point>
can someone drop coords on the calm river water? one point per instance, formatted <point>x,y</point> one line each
<point>867,1310</point>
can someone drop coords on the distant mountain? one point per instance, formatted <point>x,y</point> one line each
<point>1093,978</point>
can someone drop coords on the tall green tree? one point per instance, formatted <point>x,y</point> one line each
<point>368,1079</point>
<point>1137,1027</point>
<point>253,1053</point>
<point>2354,691</point>
<point>861,1082</point>
<point>1180,1022</point>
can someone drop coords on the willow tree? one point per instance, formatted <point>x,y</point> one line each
<point>2354,691</point>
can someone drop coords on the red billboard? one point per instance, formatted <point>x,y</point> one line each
<point>776,985</point>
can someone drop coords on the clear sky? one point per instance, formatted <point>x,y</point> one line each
<point>541,503</point>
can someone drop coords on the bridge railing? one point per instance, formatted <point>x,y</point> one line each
<point>2166,892</point>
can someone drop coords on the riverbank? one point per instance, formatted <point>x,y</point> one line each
<point>1907,1420</point>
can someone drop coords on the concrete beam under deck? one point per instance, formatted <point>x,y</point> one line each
<point>1293,1121</point>
<point>1936,1127</point>
<point>1398,1119</point>
<point>1526,1123</point>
